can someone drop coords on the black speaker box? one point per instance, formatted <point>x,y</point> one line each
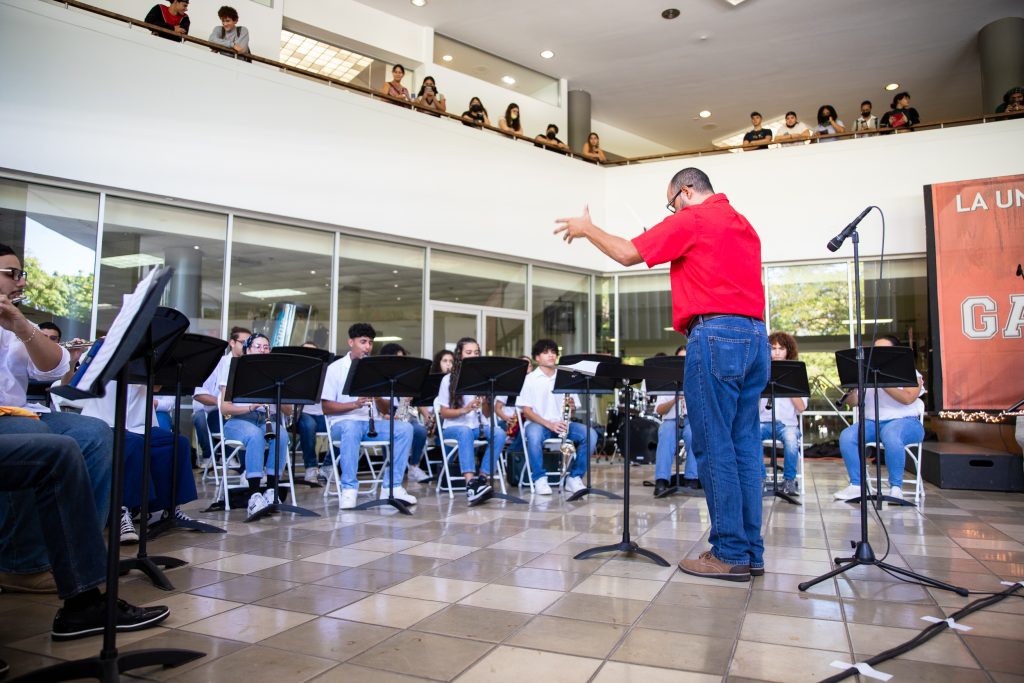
<point>965,466</point>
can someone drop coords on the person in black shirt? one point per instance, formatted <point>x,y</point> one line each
<point>902,116</point>
<point>551,138</point>
<point>759,138</point>
<point>173,17</point>
<point>476,114</point>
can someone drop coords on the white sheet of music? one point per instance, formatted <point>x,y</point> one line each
<point>584,367</point>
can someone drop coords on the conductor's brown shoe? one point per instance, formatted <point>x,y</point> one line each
<point>39,582</point>
<point>710,567</point>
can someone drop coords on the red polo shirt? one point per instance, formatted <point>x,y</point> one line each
<point>715,257</point>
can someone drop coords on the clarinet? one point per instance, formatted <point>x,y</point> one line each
<point>270,433</point>
<point>480,420</point>
<point>371,432</point>
<point>566,447</point>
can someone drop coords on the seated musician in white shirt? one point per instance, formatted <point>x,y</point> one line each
<point>206,397</point>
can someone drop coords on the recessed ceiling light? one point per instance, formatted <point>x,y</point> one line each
<point>892,86</point>
<point>419,3</point>
<point>447,58</point>
<point>705,114</point>
<point>508,80</point>
<point>670,13</point>
<point>547,54</point>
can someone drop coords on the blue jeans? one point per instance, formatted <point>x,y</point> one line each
<point>250,428</point>
<point>161,470</point>
<point>537,433</point>
<point>50,469</point>
<point>309,425</point>
<point>22,550</point>
<point>201,426</point>
<point>164,420</point>
<point>348,433</point>
<point>419,441</point>
<point>467,453</point>
<point>726,368</point>
<point>896,435</point>
<point>668,444</point>
<point>790,438</point>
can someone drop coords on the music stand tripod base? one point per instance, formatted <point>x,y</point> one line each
<point>396,503</point>
<point>109,669</point>
<point>172,522</point>
<point>627,547</point>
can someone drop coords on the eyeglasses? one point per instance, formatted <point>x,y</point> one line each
<point>671,206</point>
<point>16,273</point>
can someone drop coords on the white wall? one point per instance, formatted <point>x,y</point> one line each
<point>118,108</point>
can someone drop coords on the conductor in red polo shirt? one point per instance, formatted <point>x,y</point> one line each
<point>718,302</point>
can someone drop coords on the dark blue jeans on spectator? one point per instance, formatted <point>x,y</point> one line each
<point>22,550</point>
<point>51,471</point>
<point>727,363</point>
<point>161,470</point>
<point>309,425</point>
<point>789,435</point>
<point>419,440</point>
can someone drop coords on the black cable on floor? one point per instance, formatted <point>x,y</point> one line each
<point>927,634</point>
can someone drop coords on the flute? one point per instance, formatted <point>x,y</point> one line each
<point>77,345</point>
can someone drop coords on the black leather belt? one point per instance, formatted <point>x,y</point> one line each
<point>704,317</point>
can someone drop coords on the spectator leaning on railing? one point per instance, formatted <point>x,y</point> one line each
<point>172,16</point>
<point>551,138</point>
<point>758,138</point>
<point>902,116</point>
<point>1013,103</point>
<point>229,34</point>
<point>866,121</point>
<point>429,97</point>
<point>510,122</point>
<point>476,114</point>
<point>829,122</point>
<point>792,128</point>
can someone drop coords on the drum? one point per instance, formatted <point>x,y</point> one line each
<point>643,440</point>
<point>636,403</point>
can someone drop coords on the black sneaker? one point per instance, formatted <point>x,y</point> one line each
<point>4,668</point>
<point>73,625</point>
<point>478,488</point>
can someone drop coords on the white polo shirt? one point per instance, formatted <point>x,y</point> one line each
<point>889,408</point>
<point>135,415</point>
<point>470,419</point>
<point>538,394</point>
<point>17,370</point>
<point>671,414</point>
<point>334,386</point>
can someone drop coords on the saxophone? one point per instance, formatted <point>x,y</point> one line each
<point>567,449</point>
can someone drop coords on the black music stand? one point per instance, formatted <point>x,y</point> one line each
<point>493,376</point>
<point>431,385</point>
<point>128,331</point>
<point>884,366</point>
<point>788,379</point>
<point>391,376</point>
<point>165,331</point>
<point>276,378</point>
<point>625,376</point>
<point>567,382</point>
<point>671,386</point>
<point>327,358</point>
<point>192,361</point>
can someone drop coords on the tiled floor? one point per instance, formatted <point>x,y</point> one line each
<point>492,594</point>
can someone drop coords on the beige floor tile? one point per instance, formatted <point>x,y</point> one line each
<point>996,654</point>
<point>244,589</point>
<point>187,608</point>
<point>926,672</point>
<point>512,599</point>
<point>344,557</point>
<point>795,605</point>
<point>944,648</point>
<point>434,588</point>
<point>77,649</point>
<point>334,639</point>
<point>346,673</point>
<point>505,665</point>
<point>423,654</point>
<point>670,650</point>
<point>621,672</point>
<point>362,579</point>
<point>300,571</point>
<point>765,661</point>
<point>632,569</point>
<point>684,594</point>
<point>881,613</point>
<point>995,624</point>
<point>249,623</point>
<point>242,563</point>
<point>442,551</point>
<point>257,663</point>
<point>462,621</point>
<point>313,599</point>
<point>597,608</point>
<point>27,618</point>
<point>388,610</point>
<point>384,545</point>
<point>794,631</point>
<point>619,587</point>
<point>569,636</point>
<point>701,621</point>
<point>548,579</point>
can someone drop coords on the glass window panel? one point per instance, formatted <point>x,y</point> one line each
<point>137,235</point>
<point>561,308</point>
<point>450,327</point>
<point>281,282</point>
<point>604,314</point>
<point>382,284</point>
<point>504,337</point>
<point>478,281</point>
<point>645,325</point>
<point>53,232</point>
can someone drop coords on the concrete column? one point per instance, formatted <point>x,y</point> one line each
<point>579,119</point>
<point>185,292</point>
<point>1001,49</point>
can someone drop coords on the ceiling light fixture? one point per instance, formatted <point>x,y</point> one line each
<point>547,54</point>
<point>705,114</point>
<point>892,86</point>
<point>446,58</point>
<point>419,3</point>
<point>508,80</point>
<point>273,293</point>
<point>670,13</point>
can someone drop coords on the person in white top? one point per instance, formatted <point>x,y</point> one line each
<point>246,422</point>
<point>349,421</point>
<point>544,415</point>
<point>465,419</point>
<point>787,415</point>
<point>206,397</point>
<point>26,354</point>
<point>311,422</point>
<point>899,424</point>
<point>792,130</point>
<point>668,443</point>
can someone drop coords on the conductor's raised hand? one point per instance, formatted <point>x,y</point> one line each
<point>577,226</point>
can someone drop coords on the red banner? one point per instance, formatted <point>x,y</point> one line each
<point>976,243</point>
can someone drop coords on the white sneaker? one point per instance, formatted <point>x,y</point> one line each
<point>573,484</point>
<point>312,476</point>
<point>851,491</point>
<point>128,533</point>
<point>400,493</point>
<point>541,487</point>
<point>896,492</point>
<point>325,471</point>
<point>417,475</point>
<point>348,498</point>
<point>269,496</point>
<point>257,503</point>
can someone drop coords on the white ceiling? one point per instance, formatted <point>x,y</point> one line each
<point>650,76</point>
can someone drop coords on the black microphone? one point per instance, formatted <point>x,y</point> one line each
<point>837,241</point>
